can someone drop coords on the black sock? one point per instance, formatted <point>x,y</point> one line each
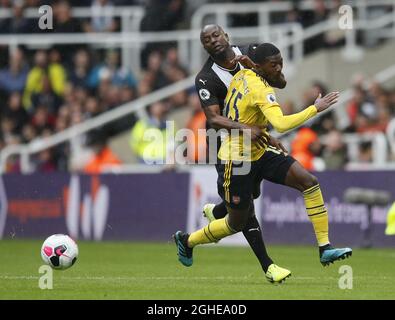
<point>252,232</point>
<point>220,211</point>
<point>325,247</point>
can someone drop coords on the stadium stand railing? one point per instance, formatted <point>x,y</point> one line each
<point>222,15</point>
<point>130,16</point>
<point>288,36</point>
<point>130,21</point>
<point>222,11</point>
<point>185,40</point>
<point>71,133</point>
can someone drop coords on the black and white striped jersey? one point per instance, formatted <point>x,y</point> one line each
<point>212,82</point>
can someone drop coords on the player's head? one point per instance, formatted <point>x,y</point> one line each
<point>214,40</point>
<point>270,64</point>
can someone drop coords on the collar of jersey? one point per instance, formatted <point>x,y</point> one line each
<point>225,68</point>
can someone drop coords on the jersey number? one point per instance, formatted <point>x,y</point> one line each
<point>237,97</point>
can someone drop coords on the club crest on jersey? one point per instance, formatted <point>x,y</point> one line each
<point>271,98</point>
<point>204,94</point>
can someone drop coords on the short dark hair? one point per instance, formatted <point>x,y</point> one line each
<point>263,51</point>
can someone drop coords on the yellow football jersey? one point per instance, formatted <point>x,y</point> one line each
<point>251,100</point>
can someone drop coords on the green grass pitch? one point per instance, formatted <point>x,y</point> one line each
<point>123,270</point>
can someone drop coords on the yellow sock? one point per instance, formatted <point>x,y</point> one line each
<point>213,232</point>
<point>317,213</point>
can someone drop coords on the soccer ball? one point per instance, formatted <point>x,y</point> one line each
<point>59,251</point>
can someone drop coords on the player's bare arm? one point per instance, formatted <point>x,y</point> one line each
<point>220,122</point>
<point>284,123</point>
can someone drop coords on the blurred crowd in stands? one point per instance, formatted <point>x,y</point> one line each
<point>46,91</point>
<point>319,145</point>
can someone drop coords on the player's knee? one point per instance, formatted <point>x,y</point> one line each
<point>238,225</point>
<point>238,221</point>
<point>309,181</point>
<point>241,226</point>
<point>234,225</point>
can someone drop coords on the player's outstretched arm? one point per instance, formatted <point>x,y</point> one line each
<point>285,123</point>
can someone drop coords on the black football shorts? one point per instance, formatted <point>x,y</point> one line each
<point>237,190</point>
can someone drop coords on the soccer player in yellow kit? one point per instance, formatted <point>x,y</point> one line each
<point>251,100</point>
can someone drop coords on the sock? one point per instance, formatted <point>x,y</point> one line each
<point>252,232</point>
<point>219,211</point>
<point>317,213</point>
<point>213,232</point>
